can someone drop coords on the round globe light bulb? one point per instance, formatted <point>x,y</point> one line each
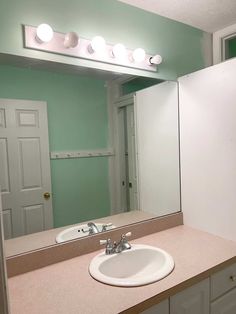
<point>157,59</point>
<point>98,44</point>
<point>44,33</point>
<point>71,40</point>
<point>139,55</point>
<point>119,51</point>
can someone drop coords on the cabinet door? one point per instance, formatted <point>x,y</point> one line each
<point>161,308</point>
<point>225,304</point>
<point>194,300</point>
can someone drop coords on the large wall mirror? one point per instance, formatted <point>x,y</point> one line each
<point>79,148</point>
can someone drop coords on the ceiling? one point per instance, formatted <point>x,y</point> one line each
<point>208,15</point>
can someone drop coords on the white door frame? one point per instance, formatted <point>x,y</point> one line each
<point>4,306</point>
<point>115,100</point>
<point>219,40</point>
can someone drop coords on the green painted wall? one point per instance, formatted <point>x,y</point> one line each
<point>232,48</point>
<point>182,47</point>
<point>77,114</point>
<point>137,84</point>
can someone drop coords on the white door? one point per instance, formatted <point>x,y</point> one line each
<point>131,158</point>
<point>25,167</point>
<point>127,157</point>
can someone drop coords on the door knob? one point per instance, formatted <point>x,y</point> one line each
<point>46,195</point>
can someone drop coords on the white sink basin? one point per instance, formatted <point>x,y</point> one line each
<point>140,265</point>
<point>77,232</point>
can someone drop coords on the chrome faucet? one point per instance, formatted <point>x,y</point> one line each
<point>92,228</point>
<point>122,245</point>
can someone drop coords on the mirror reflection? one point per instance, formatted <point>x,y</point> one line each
<point>79,148</point>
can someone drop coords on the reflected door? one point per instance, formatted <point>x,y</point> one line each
<point>25,177</point>
<point>128,157</point>
<point>131,155</point>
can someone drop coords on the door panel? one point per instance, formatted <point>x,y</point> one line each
<point>4,167</point>
<point>7,222</point>
<point>2,118</point>
<point>34,218</point>
<point>226,304</point>
<point>193,300</point>
<point>30,163</point>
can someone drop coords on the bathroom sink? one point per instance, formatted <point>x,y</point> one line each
<point>140,265</point>
<point>78,231</point>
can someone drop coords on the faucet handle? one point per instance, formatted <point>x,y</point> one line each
<point>105,226</point>
<point>103,242</point>
<point>124,236</point>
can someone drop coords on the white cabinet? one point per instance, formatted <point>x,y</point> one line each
<point>225,304</point>
<point>223,281</point>
<point>223,291</point>
<point>214,295</point>
<point>161,308</point>
<point>194,300</point>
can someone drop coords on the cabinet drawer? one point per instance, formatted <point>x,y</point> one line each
<point>225,304</point>
<point>223,281</point>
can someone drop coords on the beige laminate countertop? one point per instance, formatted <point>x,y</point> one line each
<point>67,288</point>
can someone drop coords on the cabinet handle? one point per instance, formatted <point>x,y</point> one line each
<point>233,278</point>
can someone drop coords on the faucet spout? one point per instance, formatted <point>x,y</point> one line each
<point>92,228</point>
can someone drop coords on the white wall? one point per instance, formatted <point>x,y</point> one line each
<point>208,149</point>
<point>156,110</point>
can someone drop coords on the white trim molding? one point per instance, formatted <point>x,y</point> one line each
<point>219,39</point>
<point>4,307</point>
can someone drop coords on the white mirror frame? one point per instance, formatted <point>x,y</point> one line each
<point>219,39</point>
<point>4,308</point>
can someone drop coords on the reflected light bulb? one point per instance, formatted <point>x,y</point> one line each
<point>139,55</point>
<point>157,59</point>
<point>71,40</point>
<point>44,33</point>
<point>119,51</point>
<point>98,44</point>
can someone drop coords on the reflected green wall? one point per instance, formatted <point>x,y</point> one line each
<point>137,84</point>
<point>232,48</point>
<point>77,115</point>
<point>184,49</point>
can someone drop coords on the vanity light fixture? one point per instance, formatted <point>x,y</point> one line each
<point>139,55</point>
<point>44,33</point>
<point>157,59</point>
<point>71,40</point>
<point>71,44</point>
<point>97,45</point>
<point>119,51</point>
